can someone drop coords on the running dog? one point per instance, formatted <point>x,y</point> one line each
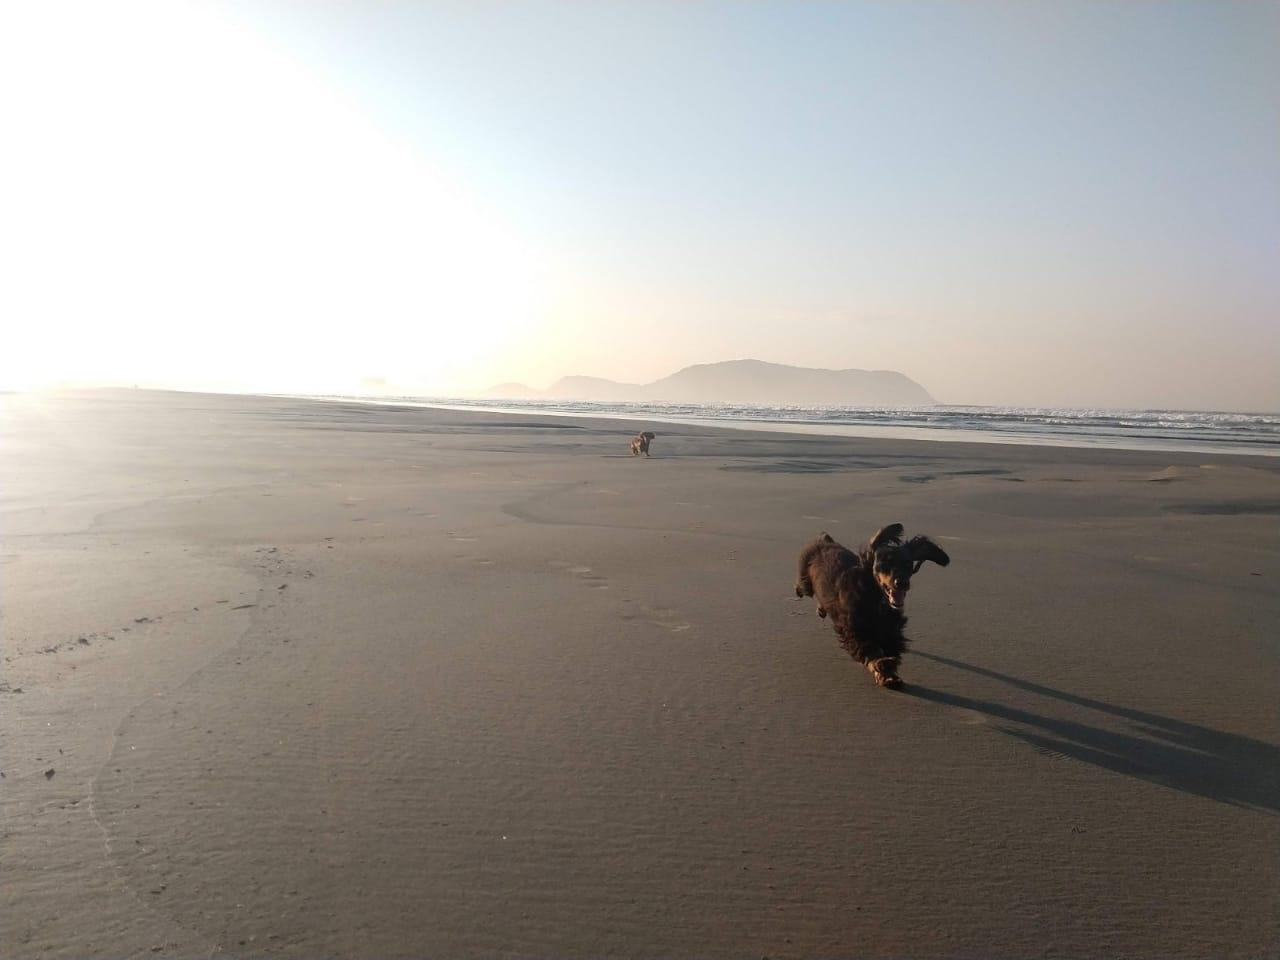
<point>864,594</point>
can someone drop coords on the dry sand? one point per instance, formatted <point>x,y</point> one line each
<point>311,679</point>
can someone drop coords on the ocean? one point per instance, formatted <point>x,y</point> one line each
<point>1187,430</point>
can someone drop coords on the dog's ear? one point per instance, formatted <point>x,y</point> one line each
<point>890,534</point>
<point>922,549</point>
<point>825,537</point>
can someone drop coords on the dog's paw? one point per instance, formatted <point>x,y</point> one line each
<point>822,612</point>
<point>884,671</point>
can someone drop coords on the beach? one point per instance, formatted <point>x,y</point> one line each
<point>320,679</point>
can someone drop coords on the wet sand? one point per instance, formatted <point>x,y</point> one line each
<point>303,679</point>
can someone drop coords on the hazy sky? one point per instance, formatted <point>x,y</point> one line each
<point>1024,203</point>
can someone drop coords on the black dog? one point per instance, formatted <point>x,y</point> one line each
<point>864,593</point>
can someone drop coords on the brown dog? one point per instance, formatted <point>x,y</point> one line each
<point>640,443</point>
<point>864,593</point>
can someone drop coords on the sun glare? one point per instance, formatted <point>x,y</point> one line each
<point>193,208</point>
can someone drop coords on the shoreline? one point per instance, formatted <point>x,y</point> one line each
<point>907,434</point>
<point>828,429</point>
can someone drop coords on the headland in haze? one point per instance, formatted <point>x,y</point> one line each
<point>738,381</point>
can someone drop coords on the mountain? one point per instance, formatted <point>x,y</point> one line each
<point>754,381</point>
<point>743,381</point>
<point>594,388</point>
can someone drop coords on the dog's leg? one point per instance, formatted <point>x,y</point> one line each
<point>804,586</point>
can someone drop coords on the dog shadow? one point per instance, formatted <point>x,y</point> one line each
<point>1198,760</point>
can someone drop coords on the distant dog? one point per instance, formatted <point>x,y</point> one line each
<point>864,593</point>
<point>640,443</point>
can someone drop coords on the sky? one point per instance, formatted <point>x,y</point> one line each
<point>1067,204</point>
